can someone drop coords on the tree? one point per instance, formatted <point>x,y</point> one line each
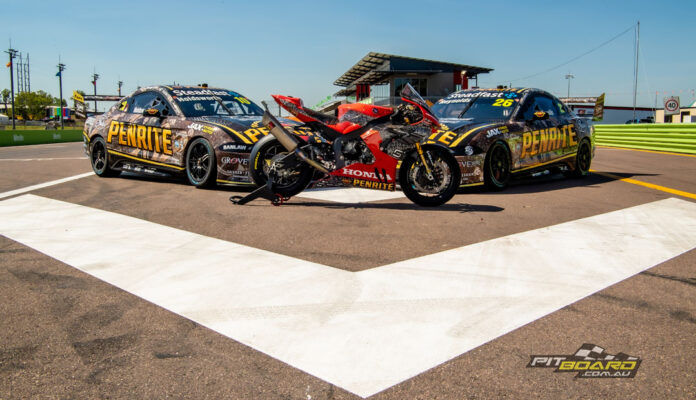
<point>56,102</point>
<point>5,94</point>
<point>32,105</point>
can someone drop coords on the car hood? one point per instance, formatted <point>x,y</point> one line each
<point>237,123</point>
<point>465,125</point>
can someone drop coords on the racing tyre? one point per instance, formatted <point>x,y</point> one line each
<point>201,166</point>
<point>582,160</point>
<point>289,182</point>
<point>422,190</point>
<point>99,158</point>
<point>497,166</point>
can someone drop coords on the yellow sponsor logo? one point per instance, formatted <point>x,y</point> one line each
<point>142,137</point>
<point>370,184</point>
<point>550,139</point>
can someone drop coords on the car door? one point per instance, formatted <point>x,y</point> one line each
<point>148,136</point>
<point>542,138</point>
<point>566,128</point>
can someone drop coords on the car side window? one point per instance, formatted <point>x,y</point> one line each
<point>141,102</point>
<point>146,100</point>
<point>562,109</point>
<point>539,103</point>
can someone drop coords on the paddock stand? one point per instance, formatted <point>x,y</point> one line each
<point>266,191</point>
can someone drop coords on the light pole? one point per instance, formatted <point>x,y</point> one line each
<point>120,83</point>
<point>12,53</point>
<point>61,68</point>
<point>569,76</point>
<point>94,82</point>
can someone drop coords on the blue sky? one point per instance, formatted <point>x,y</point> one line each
<point>301,47</point>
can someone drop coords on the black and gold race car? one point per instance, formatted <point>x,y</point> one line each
<point>497,134</point>
<point>204,134</point>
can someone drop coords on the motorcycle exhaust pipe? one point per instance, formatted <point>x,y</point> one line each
<point>286,138</point>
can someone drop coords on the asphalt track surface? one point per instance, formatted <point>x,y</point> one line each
<point>65,333</point>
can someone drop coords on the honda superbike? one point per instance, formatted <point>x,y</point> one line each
<point>365,146</point>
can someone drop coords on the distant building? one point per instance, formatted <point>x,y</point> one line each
<point>378,78</point>
<point>687,114</point>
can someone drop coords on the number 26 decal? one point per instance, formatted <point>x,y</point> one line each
<point>503,103</point>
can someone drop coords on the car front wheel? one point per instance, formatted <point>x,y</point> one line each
<point>201,167</point>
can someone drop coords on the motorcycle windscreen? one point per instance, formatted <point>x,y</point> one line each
<point>408,93</point>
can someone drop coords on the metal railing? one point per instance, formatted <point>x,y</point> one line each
<point>679,138</point>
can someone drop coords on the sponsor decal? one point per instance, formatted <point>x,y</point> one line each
<point>202,128</point>
<point>141,170</point>
<point>235,147</point>
<point>141,137</point>
<point>589,361</point>
<point>453,101</point>
<point>468,150</point>
<point>476,172</point>
<point>200,92</point>
<point>253,135</point>
<point>470,163</point>
<point>234,160</point>
<point>496,131</point>
<point>544,140</point>
<point>365,174</point>
<point>370,184</point>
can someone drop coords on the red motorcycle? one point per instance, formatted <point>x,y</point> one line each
<point>365,146</point>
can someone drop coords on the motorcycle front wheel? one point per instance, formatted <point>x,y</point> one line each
<point>288,182</point>
<point>434,190</point>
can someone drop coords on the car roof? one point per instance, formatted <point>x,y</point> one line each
<point>518,90</point>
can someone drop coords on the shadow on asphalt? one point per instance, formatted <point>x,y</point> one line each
<point>550,182</point>
<point>526,185</point>
<point>449,207</point>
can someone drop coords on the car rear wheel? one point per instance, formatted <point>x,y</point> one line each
<point>201,166</point>
<point>99,158</point>
<point>583,160</point>
<point>497,166</point>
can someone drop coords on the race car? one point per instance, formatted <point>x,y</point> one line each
<point>203,133</point>
<point>497,134</point>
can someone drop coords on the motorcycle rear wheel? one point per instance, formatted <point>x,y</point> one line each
<point>291,183</point>
<point>422,190</point>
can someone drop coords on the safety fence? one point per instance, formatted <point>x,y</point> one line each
<point>24,137</point>
<point>679,138</point>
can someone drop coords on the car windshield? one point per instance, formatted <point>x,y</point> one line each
<point>476,107</point>
<point>214,102</point>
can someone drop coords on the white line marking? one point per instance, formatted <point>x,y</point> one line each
<point>43,159</point>
<point>43,185</point>
<point>362,331</point>
<point>350,195</point>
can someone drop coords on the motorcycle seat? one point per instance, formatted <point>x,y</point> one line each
<point>344,127</point>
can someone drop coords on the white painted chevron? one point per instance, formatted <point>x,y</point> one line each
<point>362,331</point>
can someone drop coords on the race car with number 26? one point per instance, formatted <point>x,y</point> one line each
<point>496,134</point>
<point>203,133</point>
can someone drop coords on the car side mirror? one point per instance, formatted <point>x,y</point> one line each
<point>540,115</point>
<point>151,112</point>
